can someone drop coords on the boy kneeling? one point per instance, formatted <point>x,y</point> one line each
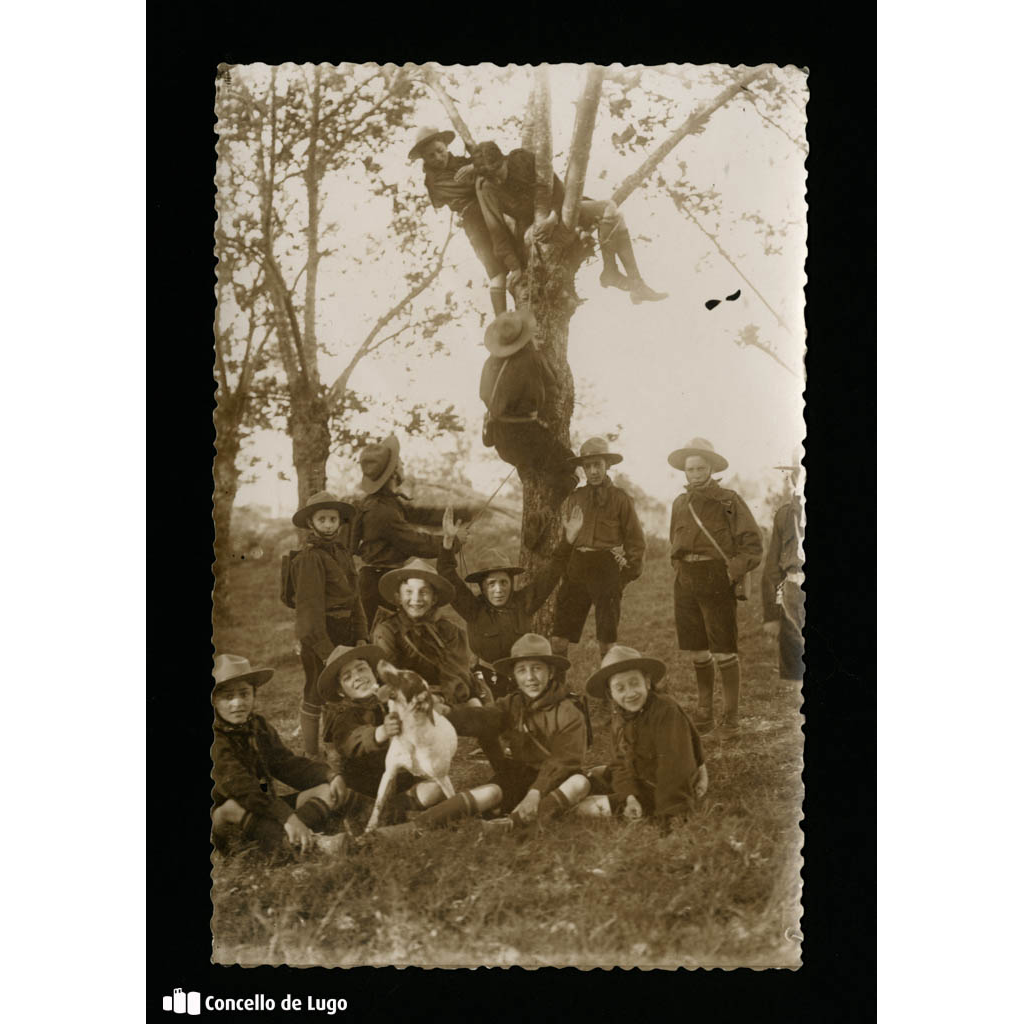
<point>359,729</point>
<point>659,769</point>
<point>248,755</point>
<point>547,736</point>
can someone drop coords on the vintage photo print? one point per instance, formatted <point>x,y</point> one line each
<point>509,611</point>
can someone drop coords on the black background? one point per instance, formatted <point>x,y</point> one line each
<point>837,980</point>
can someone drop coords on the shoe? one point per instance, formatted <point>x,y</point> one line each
<point>612,277</point>
<point>335,845</point>
<point>730,725</point>
<point>641,292</point>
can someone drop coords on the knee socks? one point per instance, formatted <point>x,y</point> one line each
<point>705,672</point>
<point>499,300</point>
<point>730,669</point>
<point>462,805</point>
<point>309,720</point>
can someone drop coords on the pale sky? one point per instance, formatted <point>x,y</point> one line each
<point>666,371</point>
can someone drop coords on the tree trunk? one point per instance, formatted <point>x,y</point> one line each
<point>225,487</point>
<point>309,428</point>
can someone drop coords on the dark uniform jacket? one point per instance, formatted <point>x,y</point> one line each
<point>727,518</point>
<point>433,647</point>
<point>610,521</point>
<point>324,576</point>
<point>350,726</point>
<point>444,190</point>
<point>492,631</point>
<point>515,198</point>
<point>657,748</point>
<point>783,555</point>
<point>549,733</point>
<point>516,385</point>
<point>246,760</point>
<point>384,536</point>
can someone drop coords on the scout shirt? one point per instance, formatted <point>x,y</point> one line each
<point>610,521</point>
<point>350,726</point>
<point>246,760</point>
<point>516,385</point>
<point>549,733</point>
<point>515,197</point>
<point>785,555</point>
<point>727,518</point>
<point>432,647</point>
<point>325,585</point>
<point>386,538</point>
<point>444,190</point>
<point>492,631</point>
<point>659,748</point>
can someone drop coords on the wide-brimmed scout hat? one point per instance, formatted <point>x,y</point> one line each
<point>593,447</point>
<point>530,646</point>
<point>378,462</point>
<point>328,684</point>
<point>508,332</point>
<point>425,135</point>
<point>321,500</point>
<point>495,561</point>
<point>233,668</point>
<point>416,569</point>
<point>621,659</point>
<point>794,461</point>
<point>698,446</point>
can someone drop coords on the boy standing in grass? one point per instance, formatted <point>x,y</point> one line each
<point>327,608</point>
<point>248,755</point>
<point>359,728</point>
<point>659,770</point>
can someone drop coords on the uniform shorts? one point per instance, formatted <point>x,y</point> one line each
<point>592,578</point>
<point>705,608</point>
<point>516,779</point>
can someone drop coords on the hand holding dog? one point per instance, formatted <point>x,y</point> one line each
<point>298,833</point>
<point>391,726</point>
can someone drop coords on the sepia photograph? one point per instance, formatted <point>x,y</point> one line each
<point>508,496</point>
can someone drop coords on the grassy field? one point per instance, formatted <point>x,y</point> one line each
<point>721,891</point>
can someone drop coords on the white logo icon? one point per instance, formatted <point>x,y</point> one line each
<point>182,1003</point>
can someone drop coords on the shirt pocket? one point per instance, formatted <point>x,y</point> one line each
<point>607,532</point>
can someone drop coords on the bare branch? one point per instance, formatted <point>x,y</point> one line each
<point>542,143</point>
<point>694,124</point>
<point>579,149</point>
<point>433,79</point>
<point>764,117</point>
<point>340,386</point>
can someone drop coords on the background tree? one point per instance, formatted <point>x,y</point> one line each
<point>287,131</point>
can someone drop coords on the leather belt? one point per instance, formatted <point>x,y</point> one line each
<point>591,549</point>
<point>700,558</point>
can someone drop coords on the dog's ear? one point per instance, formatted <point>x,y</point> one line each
<point>385,670</point>
<point>385,693</point>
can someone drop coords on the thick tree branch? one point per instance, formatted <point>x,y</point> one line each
<point>340,386</point>
<point>579,149</point>
<point>529,118</point>
<point>542,143</point>
<point>433,79</point>
<point>693,125</point>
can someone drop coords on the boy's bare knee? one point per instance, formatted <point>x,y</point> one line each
<point>229,813</point>
<point>719,658</point>
<point>700,657</point>
<point>595,807</point>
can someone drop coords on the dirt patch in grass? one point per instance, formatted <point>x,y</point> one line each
<point>723,890</point>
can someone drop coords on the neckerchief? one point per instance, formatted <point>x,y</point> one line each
<point>247,733</point>
<point>420,635</point>
<point>599,494</point>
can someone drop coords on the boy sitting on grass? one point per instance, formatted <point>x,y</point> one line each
<point>248,755</point>
<point>659,769</point>
<point>547,736</point>
<point>359,729</point>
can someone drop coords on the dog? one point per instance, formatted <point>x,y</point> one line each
<point>425,746</point>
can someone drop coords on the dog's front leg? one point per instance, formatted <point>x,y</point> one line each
<point>384,792</point>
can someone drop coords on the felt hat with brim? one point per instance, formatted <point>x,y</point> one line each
<point>702,447</point>
<point>621,659</point>
<point>232,668</point>
<point>495,562</point>
<point>417,569</point>
<point>529,647</point>
<point>425,135</point>
<point>593,448</point>
<point>319,501</point>
<point>508,332</point>
<point>378,462</point>
<point>328,683</point>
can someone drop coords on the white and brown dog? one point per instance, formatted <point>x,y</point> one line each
<point>425,746</point>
